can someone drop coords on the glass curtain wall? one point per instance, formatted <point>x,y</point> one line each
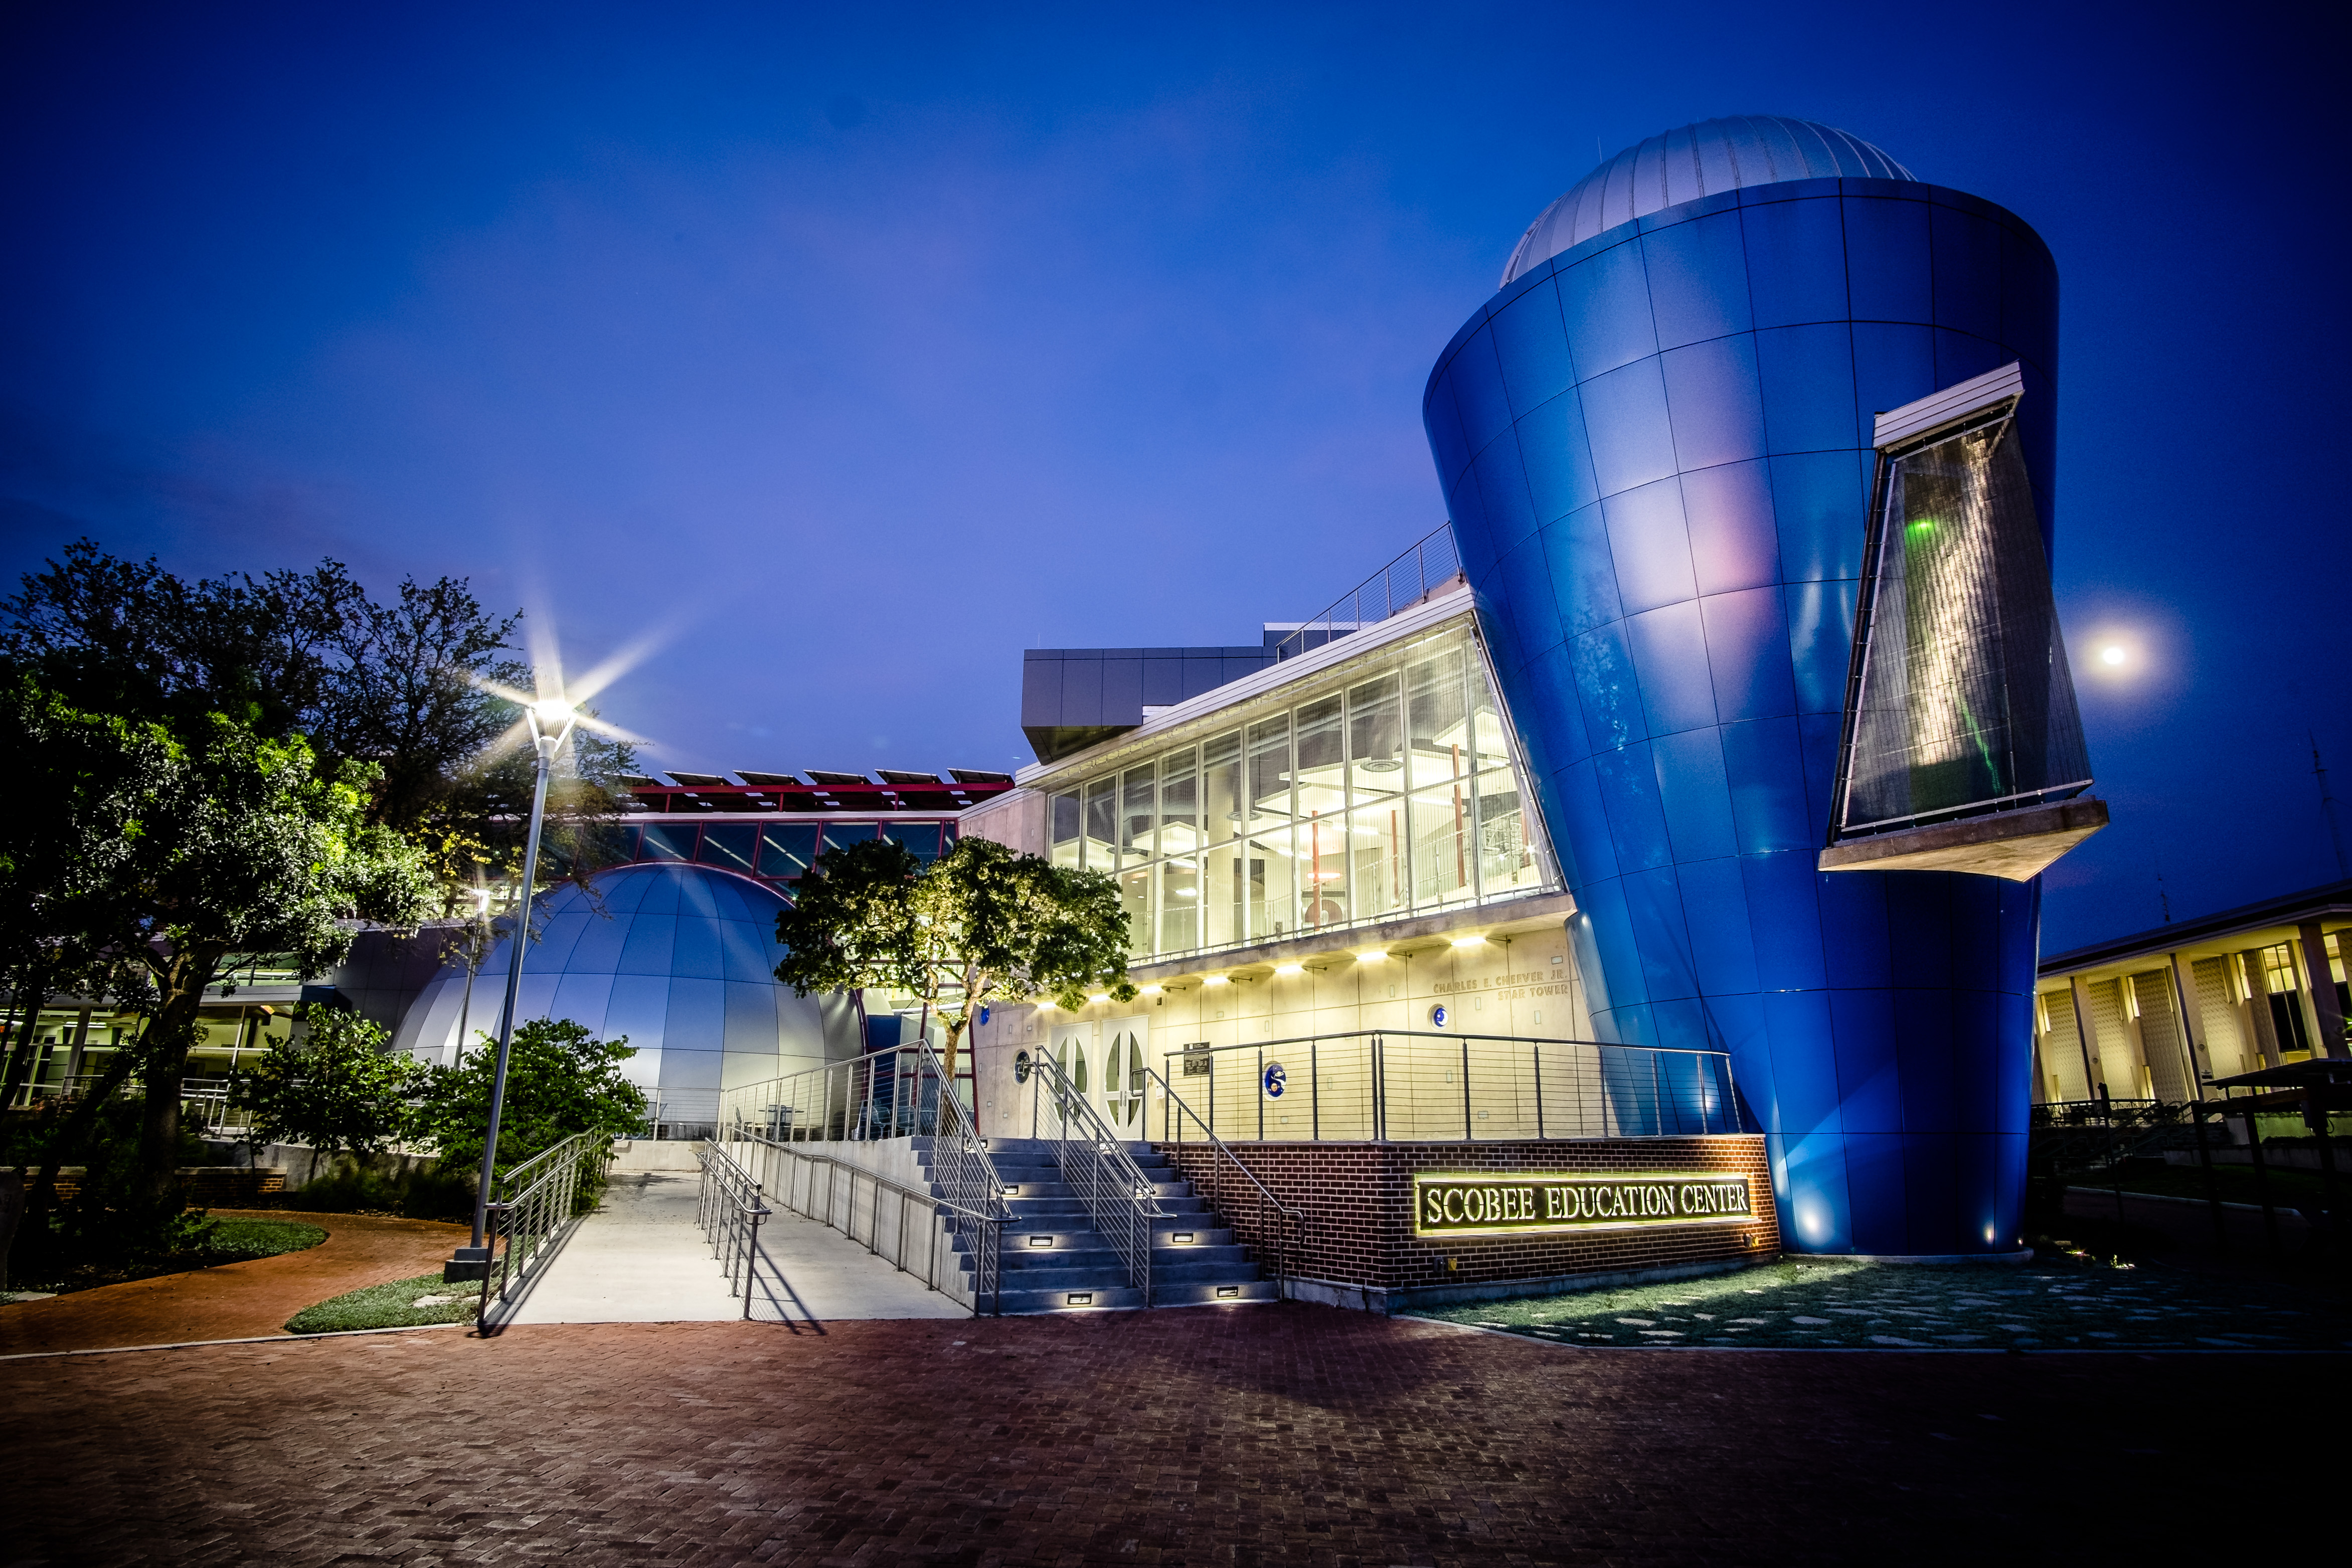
<point>1390,793</point>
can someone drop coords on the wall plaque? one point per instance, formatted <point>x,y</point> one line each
<point>1496,1204</point>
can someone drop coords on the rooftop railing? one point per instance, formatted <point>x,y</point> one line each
<point>1432,563</point>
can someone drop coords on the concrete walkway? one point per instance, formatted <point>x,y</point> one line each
<point>641,1258</point>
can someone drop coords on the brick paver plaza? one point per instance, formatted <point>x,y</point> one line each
<point>1272,1433</point>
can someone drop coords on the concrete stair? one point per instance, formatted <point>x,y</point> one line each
<point>1054,1261</point>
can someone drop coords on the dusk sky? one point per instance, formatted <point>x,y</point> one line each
<point>851,354</point>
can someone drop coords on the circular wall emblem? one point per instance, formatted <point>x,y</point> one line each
<point>1020,1067</point>
<point>1276,1079</point>
<point>1437,1015</point>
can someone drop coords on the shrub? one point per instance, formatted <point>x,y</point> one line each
<point>560,1080</point>
<point>338,1091</point>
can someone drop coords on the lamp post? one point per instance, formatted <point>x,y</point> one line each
<point>551,724</point>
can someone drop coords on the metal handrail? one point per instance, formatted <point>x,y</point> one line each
<point>529,1216</point>
<point>1121,1201</point>
<point>728,1209</point>
<point>1618,1078</point>
<point>840,1101</point>
<point>1265,1196</point>
<point>988,1229</point>
<point>1435,560</point>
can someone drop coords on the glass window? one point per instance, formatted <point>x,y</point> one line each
<point>947,836</point>
<point>1180,903</point>
<point>1322,844</point>
<point>786,849</point>
<point>921,839</point>
<point>1135,898</point>
<point>1375,738</point>
<point>1376,853</point>
<point>1436,726</point>
<point>1271,892</point>
<point>1102,825</point>
<point>1444,866</point>
<point>841,835</point>
<point>1135,814</point>
<point>1507,861</point>
<point>669,842</point>
<point>1488,741</point>
<point>618,846</point>
<point>1065,829</point>
<point>729,844</point>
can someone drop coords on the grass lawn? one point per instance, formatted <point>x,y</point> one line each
<point>1824,1304</point>
<point>240,1240</point>
<point>400,1305</point>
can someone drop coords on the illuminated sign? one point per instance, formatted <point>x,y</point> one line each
<point>1497,1204</point>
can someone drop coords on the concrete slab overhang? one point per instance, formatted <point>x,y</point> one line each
<point>1421,932</point>
<point>2016,846</point>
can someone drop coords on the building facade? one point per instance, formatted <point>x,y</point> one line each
<point>1656,445</point>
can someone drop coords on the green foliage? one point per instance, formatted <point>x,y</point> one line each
<point>561,1080</point>
<point>979,924</point>
<point>339,1091</point>
<point>389,1306</point>
<point>446,1193</point>
<point>241,1240</point>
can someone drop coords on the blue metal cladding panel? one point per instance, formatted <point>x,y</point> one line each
<point>1665,542</point>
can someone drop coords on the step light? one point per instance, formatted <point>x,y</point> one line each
<point>1082,1298</point>
<point>1183,1238</point>
<point>1225,1292</point>
<point>1041,1241</point>
<point>1013,1191</point>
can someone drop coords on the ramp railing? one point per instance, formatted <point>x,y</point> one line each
<point>729,1208</point>
<point>537,1200</point>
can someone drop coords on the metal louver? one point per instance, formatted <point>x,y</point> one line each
<point>1963,748</point>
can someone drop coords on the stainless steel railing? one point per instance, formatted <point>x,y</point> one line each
<point>1279,1223</point>
<point>1424,1086</point>
<point>537,1200</point>
<point>729,1208</point>
<point>982,1232</point>
<point>1430,563</point>
<point>1120,1200</point>
<point>893,1093</point>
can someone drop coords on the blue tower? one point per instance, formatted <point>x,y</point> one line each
<point>1656,443</point>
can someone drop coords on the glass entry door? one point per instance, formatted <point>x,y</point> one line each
<point>1073,1047</point>
<point>1123,1079</point>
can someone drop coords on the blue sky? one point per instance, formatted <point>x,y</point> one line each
<point>854,355</point>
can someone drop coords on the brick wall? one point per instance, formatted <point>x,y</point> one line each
<point>226,1186</point>
<point>1359,1204</point>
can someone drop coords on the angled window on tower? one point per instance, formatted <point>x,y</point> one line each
<point>1963,746</point>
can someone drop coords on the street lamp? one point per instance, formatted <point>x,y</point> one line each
<point>550,720</point>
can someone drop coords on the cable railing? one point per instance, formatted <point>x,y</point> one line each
<point>1431,563</point>
<point>1100,1172</point>
<point>537,1201</point>
<point>893,1093</point>
<point>1279,1223</point>
<point>729,1208</point>
<point>1419,1086</point>
<point>914,1210</point>
<point>897,1092</point>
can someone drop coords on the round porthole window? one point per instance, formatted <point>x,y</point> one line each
<point>1020,1067</point>
<point>1437,1016</point>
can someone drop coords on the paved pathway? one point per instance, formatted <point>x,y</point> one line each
<point>640,1258</point>
<point>235,1300</point>
<point>1240,1438</point>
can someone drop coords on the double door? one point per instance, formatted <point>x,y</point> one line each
<point>1104,1063</point>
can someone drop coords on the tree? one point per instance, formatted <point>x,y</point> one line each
<point>72,802</point>
<point>981,925</point>
<point>339,1090</point>
<point>401,685</point>
<point>560,1080</point>
<point>249,851</point>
